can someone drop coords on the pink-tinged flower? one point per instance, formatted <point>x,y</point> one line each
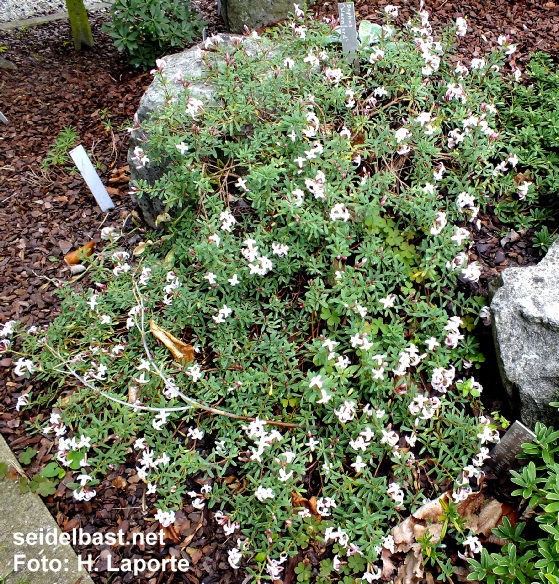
<point>461,27</point>
<point>166,518</point>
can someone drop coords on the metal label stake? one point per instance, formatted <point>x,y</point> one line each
<point>348,30</point>
<point>504,454</point>
<point>87,170</point>
<point>2,118</point>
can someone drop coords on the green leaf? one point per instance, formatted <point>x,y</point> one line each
<point>51,470</point>
<point>27,455</point>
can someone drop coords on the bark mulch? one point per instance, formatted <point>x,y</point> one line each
<point>44,213</point>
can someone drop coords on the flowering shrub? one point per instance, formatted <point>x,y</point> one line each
<point>323,226</point>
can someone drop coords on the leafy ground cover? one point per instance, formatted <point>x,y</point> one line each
<point>293,398</point>
<point>308,275</point>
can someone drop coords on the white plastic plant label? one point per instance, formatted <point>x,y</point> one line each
<point>87,170</point>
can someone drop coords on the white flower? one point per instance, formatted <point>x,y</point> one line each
<point>193,106</point>
<point>210,277</point>
<point>234,557</point>
<point>401,134</point>
<point>440,223</point>
<point>241,184</point>
<point>234,280</point>
<point>460,235</point>
<point>288,63</point>
<point>432,343</point>
<point>195,433</point>
<point>263,493</point>
<point>23,365</point>
<point>392,10</point>
<point>339,211</point>
<point>222,314</point>
<point>166,518</point>
<point>380,91</point>
<point>388,301</point>
<point>195,372</point>
<point>359,465</point>
<point>152,489</point>
<point>215,238</point>
<point>316,381</point>
<point>160,420</point>
<point>478,63</point>
<point>473,543</point>
<point>22,401</point>
<point>461,27</point>
<point>523,189</point>
<point>227,220</point>
<point>280,249</point>
<point>182,147</point>
<point>471,273</point>
<point>140,444</point>
<point>109,233</point>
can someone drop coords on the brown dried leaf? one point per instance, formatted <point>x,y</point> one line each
<point>182,353</point>
<point>387,566</point>
<point>133,394</point>
<point>309,504</point>
<point>411,571</point>
<point>489,517</point>
<point>119,483</point>
<point>170,533</point>
<point>75,257</point>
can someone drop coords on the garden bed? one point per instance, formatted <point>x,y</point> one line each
<point>122,501</point>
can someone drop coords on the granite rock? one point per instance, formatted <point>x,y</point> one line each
<point>525,310</point>
<point>188,65</point>
<point>254,13</point>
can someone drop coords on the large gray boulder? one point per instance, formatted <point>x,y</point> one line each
<point>525,309</point>
<point>255,13</point>
<point>188,65</point>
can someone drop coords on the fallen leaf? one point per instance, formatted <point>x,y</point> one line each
<point>112,191</point>
<point>76,256</point>
<point>170,533</point>
<point>141,247</point>
<point>387,566</point>
<point>309,504</point>
<point>411,571</point>
<point>490,516</point>
<point>182,353</point>
<point>132,394</point>
<point>510,237</point>
<point>119,483</point>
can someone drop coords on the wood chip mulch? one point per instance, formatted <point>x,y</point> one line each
<point>46,213</point>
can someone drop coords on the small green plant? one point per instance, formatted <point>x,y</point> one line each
<point>147,29</point>
<point>543,239</point>
<point>58,154</point>
<point>522,561</point>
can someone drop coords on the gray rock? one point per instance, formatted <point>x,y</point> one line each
<point>254,13</point>
<point>27,514</point>
<point>190,66</point>
<point>5,64</point>
<point>525,309</point>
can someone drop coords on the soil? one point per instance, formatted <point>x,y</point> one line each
<point>47,212</point>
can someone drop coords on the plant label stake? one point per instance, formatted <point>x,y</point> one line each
<point>504,454</point>
<point>2,118</point>
<point>87,170</point>
<point>350,45</point>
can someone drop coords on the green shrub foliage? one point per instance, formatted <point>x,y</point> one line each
<point>147,29</point>
<point>317,264</point>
